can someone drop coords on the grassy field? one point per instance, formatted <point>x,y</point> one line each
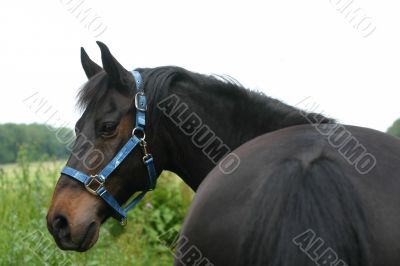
<point>25,192</point>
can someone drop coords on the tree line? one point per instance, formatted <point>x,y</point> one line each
<point>38,140</point>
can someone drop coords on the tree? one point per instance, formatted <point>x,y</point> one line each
<point>38,140</point>
<point>394,130</point>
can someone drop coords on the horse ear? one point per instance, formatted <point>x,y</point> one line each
<point>90,67</point>
<point>117,73</point>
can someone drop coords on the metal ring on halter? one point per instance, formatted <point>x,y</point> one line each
<point>136,129</point>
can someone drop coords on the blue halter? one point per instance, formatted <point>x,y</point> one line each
<point>95,183</point>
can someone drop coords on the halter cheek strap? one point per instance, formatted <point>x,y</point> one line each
<point>95,183</point>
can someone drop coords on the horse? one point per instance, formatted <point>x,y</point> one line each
<point>319,195</point>
<point>197,124</point>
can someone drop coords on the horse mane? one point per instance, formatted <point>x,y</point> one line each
<point>95,89</point>
<point>158,82</point>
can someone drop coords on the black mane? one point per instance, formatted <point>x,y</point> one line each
<point>159,81</point>
<point>93,90</point>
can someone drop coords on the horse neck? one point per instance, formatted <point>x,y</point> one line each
<point>232,114</point>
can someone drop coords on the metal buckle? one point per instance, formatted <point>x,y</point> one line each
<point>138,107</point>
<point>89,185</point>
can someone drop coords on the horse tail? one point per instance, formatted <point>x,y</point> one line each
<point>306,214</point>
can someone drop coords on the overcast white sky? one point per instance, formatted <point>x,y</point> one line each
<point>290,50</point>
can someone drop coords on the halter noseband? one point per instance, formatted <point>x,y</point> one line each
<point>95,183</point>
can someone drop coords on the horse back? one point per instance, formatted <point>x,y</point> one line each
<point>297,188</point>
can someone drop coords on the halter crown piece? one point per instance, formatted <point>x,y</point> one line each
<point>95,183</point>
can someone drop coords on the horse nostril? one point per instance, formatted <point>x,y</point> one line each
<point>60,226</point>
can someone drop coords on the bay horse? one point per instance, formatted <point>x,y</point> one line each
<point>283,184</point>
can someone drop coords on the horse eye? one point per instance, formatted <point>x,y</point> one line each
<point>108,128</point>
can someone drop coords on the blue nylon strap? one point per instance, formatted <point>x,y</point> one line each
<point>138,79</point>
<point>107,197</point>
<point>102,192</point>
<point>79,176</point>
<point>140,102</point>
<point>152,172</point>
<point>121,155</point>
<point>135,201</point>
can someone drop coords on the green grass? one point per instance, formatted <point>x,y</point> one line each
<point>25,193</point>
